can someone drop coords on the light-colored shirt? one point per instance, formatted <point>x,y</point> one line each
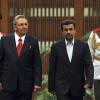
<point>94,45</point>
<point>17,38</point>
<point>0,35</point>
<point>69,48</point>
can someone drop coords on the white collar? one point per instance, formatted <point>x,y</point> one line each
<point>17,37</point>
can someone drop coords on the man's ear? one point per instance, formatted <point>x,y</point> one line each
<point>14,27</point>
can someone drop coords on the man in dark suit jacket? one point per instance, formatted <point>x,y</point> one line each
<point>71,68</point>
<point>20,74</point>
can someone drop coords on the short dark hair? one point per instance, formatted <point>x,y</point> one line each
<point>67,22</point>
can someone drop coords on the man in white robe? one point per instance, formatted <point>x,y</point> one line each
<point>94,45</point>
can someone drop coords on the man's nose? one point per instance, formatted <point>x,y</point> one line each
<point>68,31</point>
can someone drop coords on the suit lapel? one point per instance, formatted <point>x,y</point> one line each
<point>25,45</point>
<point>13,44</point>
<point>75,50</point>
<point>64,50</point>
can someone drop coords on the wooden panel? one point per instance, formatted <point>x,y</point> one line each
<point>4,13</point>
<point>23,7</point>
<point>0,15</point>
<point>79,17</point>
<point>44,27</point>
<point>92,20</point>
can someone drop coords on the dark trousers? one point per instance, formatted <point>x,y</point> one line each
<point>17,95</point>
<point>1,95</point>
<point>69,96</point>
<point>97,89</point>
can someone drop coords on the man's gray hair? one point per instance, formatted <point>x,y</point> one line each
<point>16,18</point>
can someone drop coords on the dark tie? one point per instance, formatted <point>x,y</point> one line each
<point>19,47</point>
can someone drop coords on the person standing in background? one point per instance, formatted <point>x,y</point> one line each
<point>70,69</point>
<point>94,45</point>
<point>20,62</point>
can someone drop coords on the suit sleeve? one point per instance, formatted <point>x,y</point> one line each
<point>89,70</point>
<point>37,65</point>
<point>52,70</point>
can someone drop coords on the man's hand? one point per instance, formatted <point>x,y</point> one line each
<point>87,86</point>
<point>37,88</point>
<point>88,89</point>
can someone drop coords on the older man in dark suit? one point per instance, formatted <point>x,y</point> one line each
<point>20,63</point>
<point>71,68</point>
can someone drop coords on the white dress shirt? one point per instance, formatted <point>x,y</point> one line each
<point>69,48</point>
